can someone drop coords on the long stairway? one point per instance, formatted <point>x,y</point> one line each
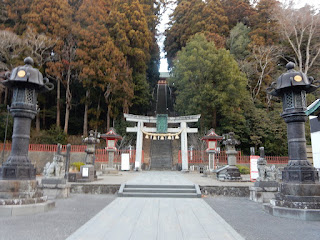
<point>161,155</point>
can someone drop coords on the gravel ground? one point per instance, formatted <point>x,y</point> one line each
<point>251,222</point>
<point>68,215</point>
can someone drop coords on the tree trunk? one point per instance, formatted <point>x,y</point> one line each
<point>38,122</point>
<point>44,116</point>
<point>214,119</point>
<point>68,102</point>
<point>85,116</point>
<point>108,118</point>
<point>5,102</point>
<point>58,103</point>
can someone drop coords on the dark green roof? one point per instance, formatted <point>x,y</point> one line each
<point>314,108</point>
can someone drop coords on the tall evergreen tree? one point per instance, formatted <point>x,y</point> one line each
<point>208,81</point>
<point>191,17</point>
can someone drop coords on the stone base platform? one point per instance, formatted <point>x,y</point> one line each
<point>298,201</point>
<point>262,195</point>
<point>263,191</point>
<point>28,209</point>
<point>301,214</point>
<point>22,197</point>
<point>55,188</point>
<point>109,170</point>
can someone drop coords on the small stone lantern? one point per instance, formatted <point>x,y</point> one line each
<point>26,82</point>
<point>111,138</point>
<point>212,142</point>
<point>91,142</point>
<point>232,172</point>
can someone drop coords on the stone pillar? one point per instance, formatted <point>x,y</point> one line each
<point>110,158</point>
<point>211,160</point>
<point>184,147</point>
<point>139,144</point>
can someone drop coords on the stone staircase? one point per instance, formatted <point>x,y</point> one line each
<point>161,155</point>
<point>163,191</point>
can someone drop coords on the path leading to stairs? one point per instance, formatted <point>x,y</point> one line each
<point>157,218</point>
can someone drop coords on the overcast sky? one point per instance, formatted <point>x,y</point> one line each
<point>165,19</point>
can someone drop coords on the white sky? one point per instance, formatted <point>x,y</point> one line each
<point>165,20</point>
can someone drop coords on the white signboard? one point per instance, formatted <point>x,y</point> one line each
<point>85,172</point>
<point>254,173</point>
<point>125,163</point>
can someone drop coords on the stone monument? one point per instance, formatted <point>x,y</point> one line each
<point>230,171</point>
<point>87,171</point>
<point>266,184</point>
<point>299,193</point>
<point>54,182</point>
<point>19,185</point>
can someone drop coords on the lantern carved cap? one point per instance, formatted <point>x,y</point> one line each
<point>229,139</point>
<point>111,134</point>
<point>211,135</point>
<point>292,80</point>
<point>27,76</point>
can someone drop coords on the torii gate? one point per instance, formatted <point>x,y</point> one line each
<point>183,130</point>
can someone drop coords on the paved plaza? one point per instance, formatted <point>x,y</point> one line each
<point>110,217</point>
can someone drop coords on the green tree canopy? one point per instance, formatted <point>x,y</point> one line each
<point>208,81</point>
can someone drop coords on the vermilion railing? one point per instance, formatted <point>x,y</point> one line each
<point>196,157</point>
<point>101,154</point>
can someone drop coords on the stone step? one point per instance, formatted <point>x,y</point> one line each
<point>191,186</point>
<point>171,191</point>
<point>161,195</point>
<point>160,190</point>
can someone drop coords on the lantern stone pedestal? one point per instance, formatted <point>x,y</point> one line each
<point>19,193</point>
<point>230,172</point>
<point>299,193</point>
<point>87,173</point>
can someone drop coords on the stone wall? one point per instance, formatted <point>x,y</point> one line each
<point>229,191</point>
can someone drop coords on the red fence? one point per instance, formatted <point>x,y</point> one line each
<point>101,154</point>
<point>196,157</point>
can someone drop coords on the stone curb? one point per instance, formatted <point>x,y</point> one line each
<point>28,209</point>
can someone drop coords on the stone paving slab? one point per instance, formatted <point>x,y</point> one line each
<point>193,177</point>
<point>156,218</point>
<point>160,178</point>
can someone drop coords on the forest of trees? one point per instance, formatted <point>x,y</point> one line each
<point>103,58</point>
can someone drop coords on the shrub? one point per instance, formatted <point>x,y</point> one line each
<point>243,169</point>
<point>52,136</point>
<point>77,165</point>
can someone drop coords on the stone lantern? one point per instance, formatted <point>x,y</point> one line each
<point>232,172</point>
<point>292,87</point>
<point>91,142</point>
<point>212,143</point>
<point>26,82</point>
<point>111,138</point>
<point>299,193</point>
